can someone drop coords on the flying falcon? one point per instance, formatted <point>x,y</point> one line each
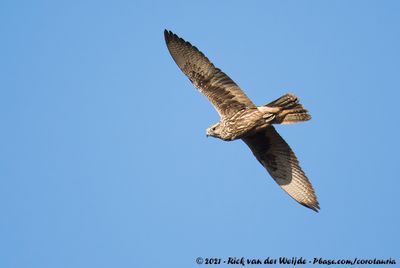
<point>240,118</point>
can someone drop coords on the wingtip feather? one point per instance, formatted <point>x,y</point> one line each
<point>167,35</point>
<point>314,207</point>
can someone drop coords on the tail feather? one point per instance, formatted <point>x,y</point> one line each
<point>287,101</point>
<point>290,110</point>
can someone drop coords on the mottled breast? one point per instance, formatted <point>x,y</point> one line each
<point>242,123</point>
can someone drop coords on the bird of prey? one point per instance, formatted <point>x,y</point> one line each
<point>240,118</point>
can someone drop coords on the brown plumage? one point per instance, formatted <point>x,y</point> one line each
<point>240,118</point>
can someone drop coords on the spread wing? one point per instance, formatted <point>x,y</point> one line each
<point>275,155</point>
<point>224,94</point>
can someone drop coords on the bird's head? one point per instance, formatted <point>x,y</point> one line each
<point>214,130</point>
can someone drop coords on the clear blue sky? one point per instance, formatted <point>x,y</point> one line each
<point>104,160</point>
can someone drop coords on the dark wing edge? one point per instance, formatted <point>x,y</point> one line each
<point>279,160</point>
<point>225,95</point>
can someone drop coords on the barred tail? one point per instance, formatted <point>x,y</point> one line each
<point>291,111</point>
